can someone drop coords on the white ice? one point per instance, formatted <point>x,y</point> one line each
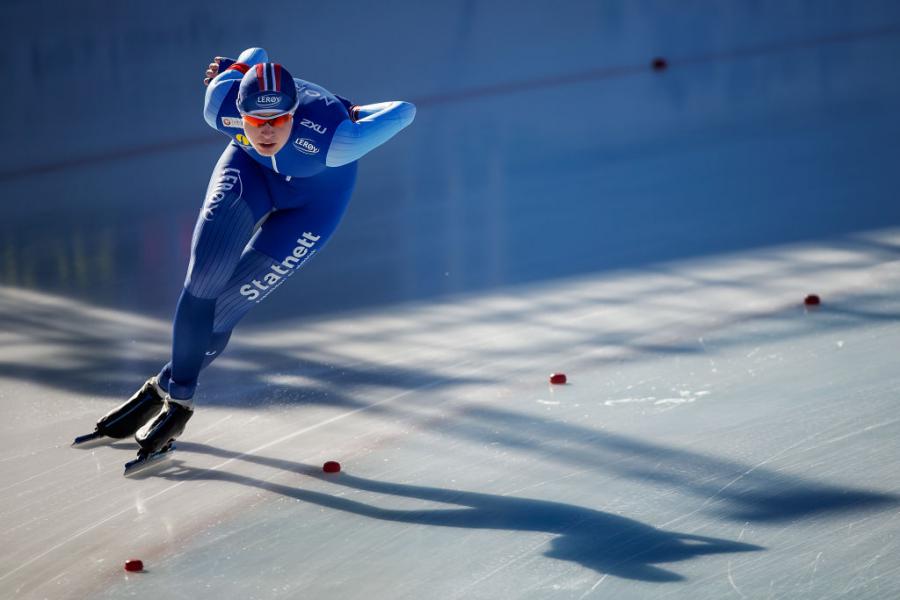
<point>715,438</point>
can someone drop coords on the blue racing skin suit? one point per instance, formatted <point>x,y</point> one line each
<point>264,217</point>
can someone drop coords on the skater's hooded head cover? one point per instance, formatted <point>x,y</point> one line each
<point>267,89</point>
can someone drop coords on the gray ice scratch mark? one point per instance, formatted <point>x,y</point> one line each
<point>594,587</point>
<point>731,581</point>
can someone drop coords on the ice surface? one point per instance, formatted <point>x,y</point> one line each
<point>715,438</point>
<point>652,235</point>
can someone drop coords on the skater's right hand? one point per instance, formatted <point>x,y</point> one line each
<point>219,64</point>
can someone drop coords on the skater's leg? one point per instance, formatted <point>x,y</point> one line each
<point>236,199</point>
<point>192,332</point>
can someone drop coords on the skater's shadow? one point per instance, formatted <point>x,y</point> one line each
<point>604,542</point>
<point>730,489</point>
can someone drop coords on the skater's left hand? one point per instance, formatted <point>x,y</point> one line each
<point>219,64</point>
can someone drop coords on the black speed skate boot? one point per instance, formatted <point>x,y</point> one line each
<point>127,418</point>
<point>158,434</point>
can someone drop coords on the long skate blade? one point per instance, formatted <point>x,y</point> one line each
<point>94,438</point>
<point>146,463</point>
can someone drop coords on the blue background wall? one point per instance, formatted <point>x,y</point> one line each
<point>545,145</point>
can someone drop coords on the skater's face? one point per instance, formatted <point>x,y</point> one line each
<point>268,136</point>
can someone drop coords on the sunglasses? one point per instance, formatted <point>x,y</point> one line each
<point>273,121</point>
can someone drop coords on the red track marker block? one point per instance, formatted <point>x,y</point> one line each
<point>134,565</point>
<point>332,466</point>
<point>812,300</point>
<point>558,378</point>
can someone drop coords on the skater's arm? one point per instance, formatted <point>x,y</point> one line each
<point>223,82</point>
<point>370,126</point>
